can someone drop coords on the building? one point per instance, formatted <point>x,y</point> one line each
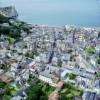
<point>91,96</point>
<point>48,79</point>
<point>64,74</point>
<point>6,78</point>
<point>54,96</point>
<point>29,62</point>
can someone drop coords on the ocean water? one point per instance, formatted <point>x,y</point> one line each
<point>58,12</point>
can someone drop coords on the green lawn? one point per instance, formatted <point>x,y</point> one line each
<point>90,50</point>
<point>11,40</point>
<point>9,91</point>
<point>72,76</point>
<point>70,91</point>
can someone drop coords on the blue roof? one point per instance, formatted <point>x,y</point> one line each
<point>92,96</point>
<point>87,95</point>
<point>28,61</point>
<point>97,84</point>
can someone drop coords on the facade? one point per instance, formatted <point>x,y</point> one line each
<point>47,80</point>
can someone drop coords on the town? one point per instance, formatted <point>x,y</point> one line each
<point>62,61</point>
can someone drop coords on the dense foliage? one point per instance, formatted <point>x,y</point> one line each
<point>90,50</point>
<point>70,92</point>
<point>7,91</point>
<point>39,91</point>
<point>72,76</point>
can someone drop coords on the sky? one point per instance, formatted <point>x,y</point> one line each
<point>65,10</point>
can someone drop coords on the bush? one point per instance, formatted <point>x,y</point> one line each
<point>90,50</point>
<point>39,91</point>
<point>11,40</point>
<point>70,92</point>
<point>98,60</point>
<point>29,54</point>
<point>72,76</point>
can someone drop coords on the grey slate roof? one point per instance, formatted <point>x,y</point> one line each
<point>97,84</point>
<point>92,96</point>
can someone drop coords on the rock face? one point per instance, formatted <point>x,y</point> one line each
<point>8,13</point>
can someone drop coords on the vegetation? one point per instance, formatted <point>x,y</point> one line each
<point>20,53</point>
<point>10,31</point>
<point>29,54</point>
<point>72,76</point>
<point>11,40</point>
<point>59,63</point>
<point>22,26</point>
<point>40,91</point>
<point>90,50</point>
<point>2,84</point>
<point>8,91</point>
<point>70,92</point>
<point>98,60</point>
<point>69,51</point>
<point>25,46</point>
<point>98,75</point>
<point>5,67</point>
<point>13,31</point>
<point>72,58</point>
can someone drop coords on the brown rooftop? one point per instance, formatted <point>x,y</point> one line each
<point>54,96</point>
<point>5,78</point>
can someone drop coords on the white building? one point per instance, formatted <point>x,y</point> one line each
<point>47,80</point>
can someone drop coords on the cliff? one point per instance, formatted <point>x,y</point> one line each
<point>8,13</point>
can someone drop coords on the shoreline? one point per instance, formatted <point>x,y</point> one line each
<point>69,25</point>
<point>77,26</point>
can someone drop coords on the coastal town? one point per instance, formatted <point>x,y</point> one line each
<point>40,62</point>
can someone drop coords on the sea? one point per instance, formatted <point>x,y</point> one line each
<point>84,13</point>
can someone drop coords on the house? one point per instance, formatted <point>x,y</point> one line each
<point>64,74</point>
<point>97,48</point>
<point>6,78</point>
<point>48,79</point>
<point>60,85</point>
<point>54,60</point>
<point>97,84</point>
<point>65,57</point>
<point>54,96</point>
<point>78,98</point>
<point>25,74</point>
<point>50,76</point>
<point>91,96</point>
<point>4,44</point>
<point>16,98</point>
<point>29,62</point>
<point>93,61</point>
<point>10,74</point>
<point>83,82</point>
<point>20,96</point>
<point>14,66</point>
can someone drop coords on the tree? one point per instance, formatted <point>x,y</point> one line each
<point>11,40</point>
<point>98,60</point>
<point>72,76</point>
<point>35,93</point>
<point>59,62</point>
<point>70,91</point>
<point>90,50</point>
<point>29,54</point>
<point>40,91</point>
